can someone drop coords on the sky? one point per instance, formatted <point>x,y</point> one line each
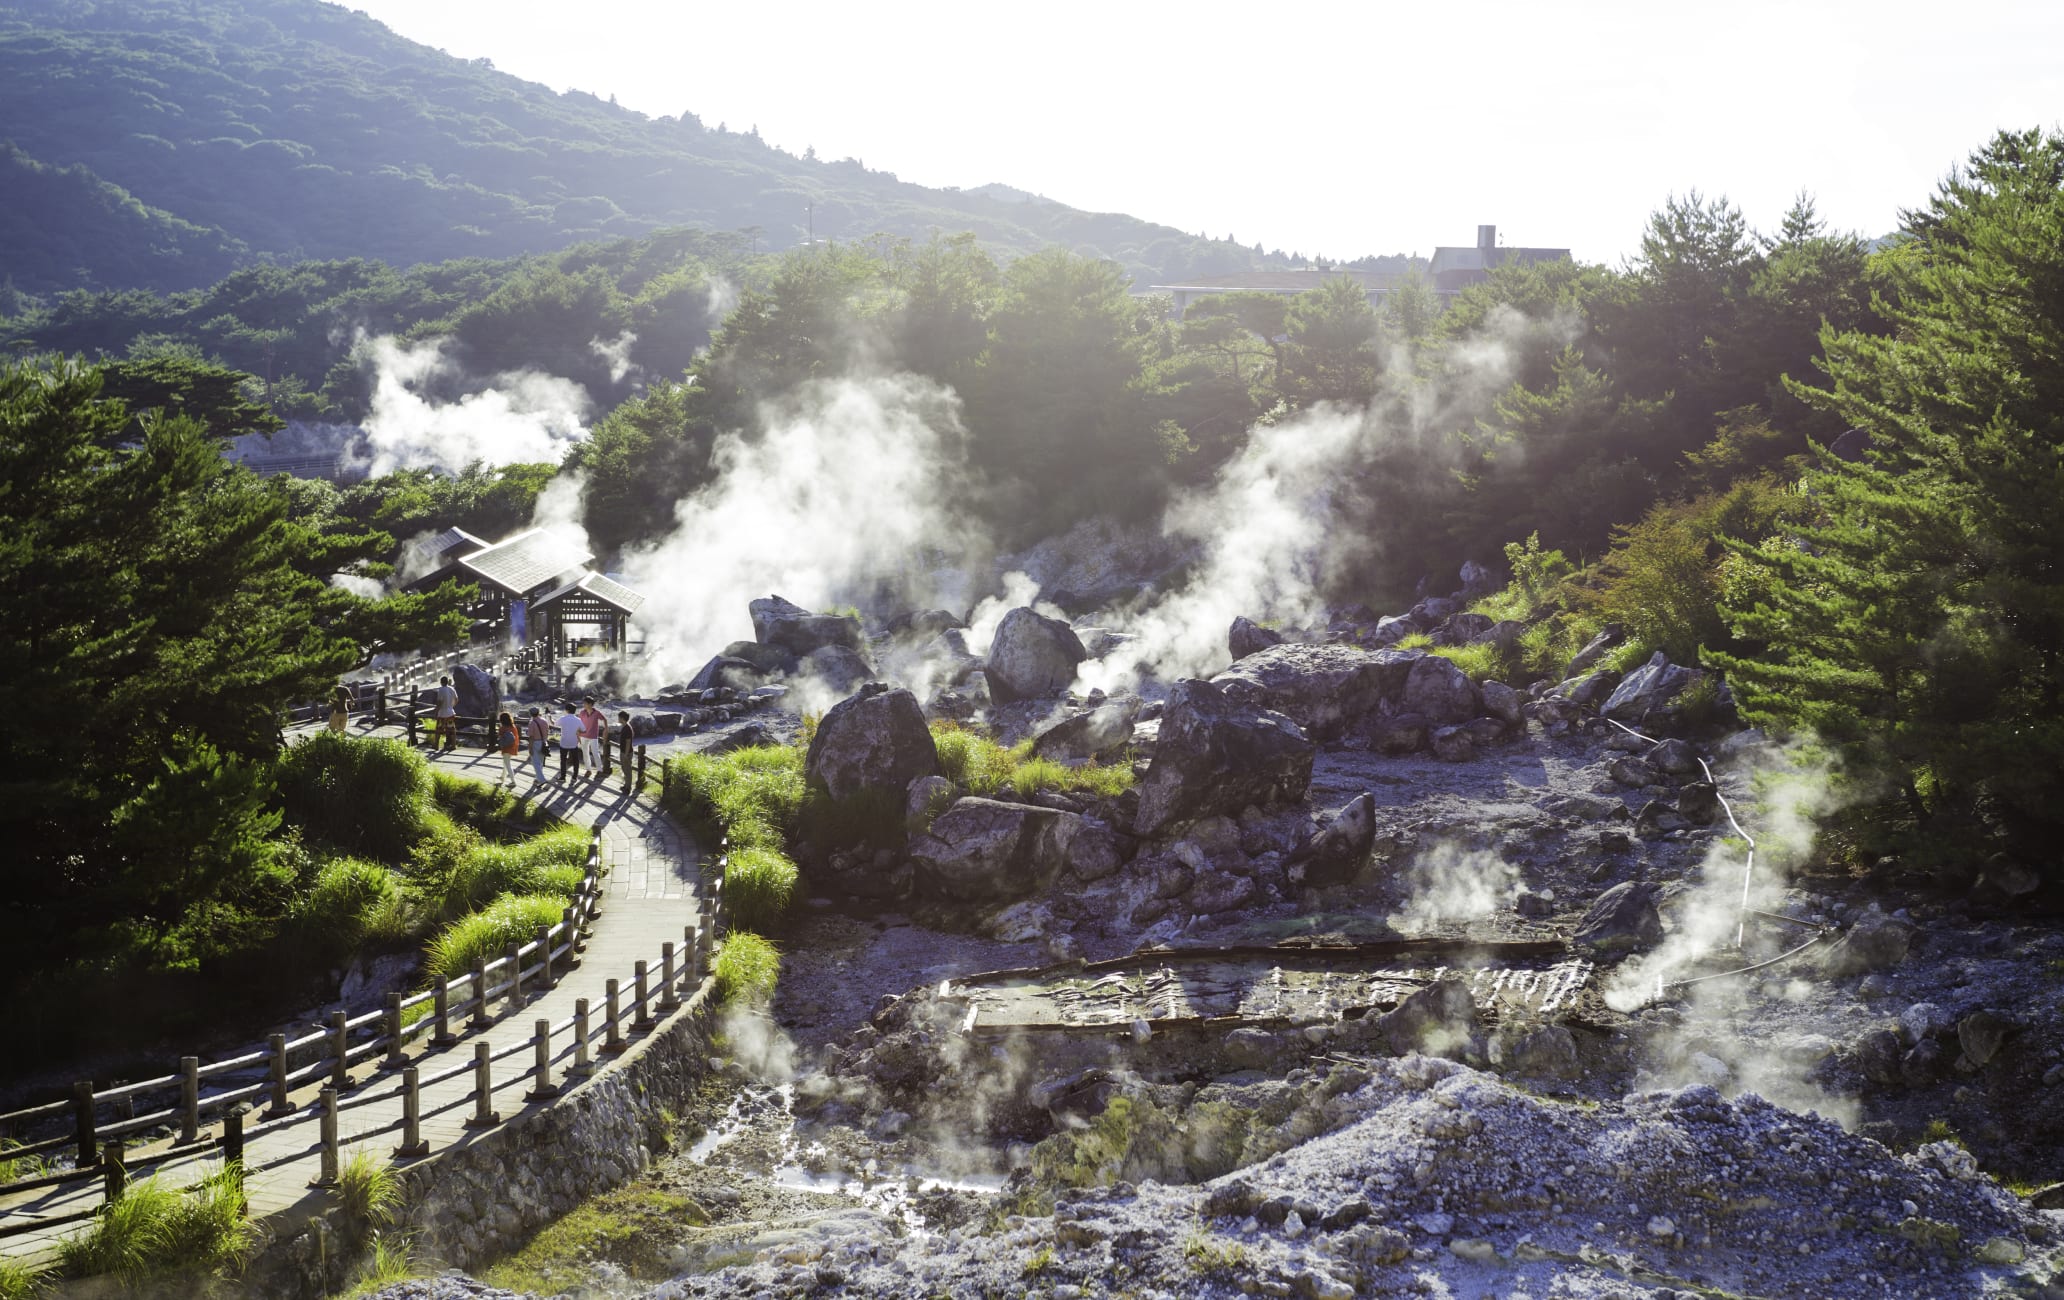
<point>1334,129</point>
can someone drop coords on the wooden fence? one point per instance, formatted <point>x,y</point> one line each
<point>100,1119</point>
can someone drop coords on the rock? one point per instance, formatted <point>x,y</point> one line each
<point>479,694</point>
<point>1461,629</point>
<point>1503,703</point>
<point>1218,756</point>
<point>1549,1052</point>
<point>1588,690</point>
<point>875,741</point>
<point>1248,637</point>
<point>1452,744</point>
<point>2001,1252</point>
<point>1402,734</point>
<point>2009,879</point>
<point>1699,802</point>
<point>1623,919</point>
<point>1925,1020</point>
<point>734,738</point>
<point>1635,773</point>
<point>1675,756</point>
<point>1032,657</point>
<point>1216,891</point>
<point>720,672</point>
<point>778,623</point>
<point>922,625</point>
<point>839,667</point>
<point>1658,818</point>
<point>1504,634</point>
<point>1438,691</point>
<point>1390,631</point>
<point>1876,942</point>
<point>1876,1056</point>
<point>985,850</point>
<point>769,610</point>
<point>1437,1020</point>
<point>1099,735</point>
<point>927,797</point>
<point>1647,689</point>
<point>1337,853</point>
<point>1608,636</point>
<point>1981,1034</point>
<point>769,659</point>
<point>668,720</point>
<point>1090,849</point>
<point>1435,610</point>
<point>1327,690</point>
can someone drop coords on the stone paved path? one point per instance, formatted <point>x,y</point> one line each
<point>650,897</point>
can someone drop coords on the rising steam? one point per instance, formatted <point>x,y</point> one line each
<point>512,417</point>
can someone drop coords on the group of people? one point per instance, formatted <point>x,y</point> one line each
<point>583,736</point>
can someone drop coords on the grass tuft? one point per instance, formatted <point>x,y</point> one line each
<point>19,1281</point>
<point>759,885</point>
<point>392,1260</point>
<point>746,969</point>
<point>979,765</point>
<point>368,1190</point>
<point>513,918</point>
<point>153,1231</point>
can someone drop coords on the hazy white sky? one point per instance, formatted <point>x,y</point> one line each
<point>1340,129</point>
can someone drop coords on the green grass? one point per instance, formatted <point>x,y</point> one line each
<point>13,1167</point>
<point>1207,1255</point>
<point>759,885</point>
<point>364,796</point>
<point>513,918</point>
<point>553,862</point>
<point>496,813</point>
<point>753,795</point>
<point>1416,641</point>
<point>19,1281</point>
<point>154,1232</point>
<point>1482,663</point>
<point>979,765</point>
<point>354,904</point>
<point>392,1260</point>
<point>368,1191</point>
<point>634,1227</point>
<point>746,969</point>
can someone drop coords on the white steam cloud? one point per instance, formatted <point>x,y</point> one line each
<point>1448,885</point>
<point>617,353</point>
<point>515,416</point>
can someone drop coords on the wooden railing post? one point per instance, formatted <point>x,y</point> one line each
<point>481,1018</point>
<point>570,925</point>
<point>82,1118</point>
<point>395,1057</point>
<point>667,1000</point>
<point>233,1135</point>
<point>641,1016</point>
<point>440,1004</point>
<point>327,1177</point>
<point>412,1143</point>
<point>693,961</point>
<point>666,778</point>
<point>515,955</point>
<point>340,1045</point>
<point>189,1099</point>
<point>114,1175</point>
<point>613,1023</point>
<point>580,1036</point>
<point>544,943</point>
<point>276,1046</point>
<point>483,1088</point>
<point>543,1087</point>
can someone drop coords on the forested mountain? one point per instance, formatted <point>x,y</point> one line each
<point>158,143</point>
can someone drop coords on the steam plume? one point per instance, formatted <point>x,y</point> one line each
<point>516,416</point>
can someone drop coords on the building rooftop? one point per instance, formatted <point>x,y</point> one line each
<point>605,589</point>
<point>526,561</point>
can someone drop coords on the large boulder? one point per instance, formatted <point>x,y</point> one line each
<point>722,671</point>
<point>1648,688</point>
<point>1327,690</point>
<point>990,851</point>
<point>1594,650</point>
<point>1622,920</point>
<point>479,696</point>
<point>1099,735</point>
<point>1217,755</point>
<point>771,660</point>
<point>875,741</point>
<point>1032,656</point>
<point>1248,637</point>
<point>839,667</point>
<point>1435,689</point>
<point>1336,853</point>
<point>922,625</point>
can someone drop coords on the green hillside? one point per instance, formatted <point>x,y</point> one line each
<point>212,132</point>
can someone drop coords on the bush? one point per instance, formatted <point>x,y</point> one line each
<point>485,934</point>
<point>363,796</point>
<point>354,902</point>
<point>552,863</point>
<point>746,969</point>
<point>494,813</point>
<point>1483,663</point>
<point>753,795</point>
<point>153,1230</point>
<point>1537,578</point>
<point>759,885</point>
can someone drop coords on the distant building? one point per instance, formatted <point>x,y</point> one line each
<point>1455,269</point>
<point>1451,271</point>
<point>535,590</point>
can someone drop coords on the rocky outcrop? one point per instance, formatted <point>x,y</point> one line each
<point>1622,920</point>
<point>1327,690</point>
<point>1875,942</point>
<point>1435,689</point>
<point>1337,852</point>
<point>1099,735</point>
<point>479,696</point>
<point>1032,656</point>
<point>1648,689</point>
<point>875,741</point>
<point>988,851</point>
<point>1218,755</point>
<point>1248,637</point>
<point>771,660</point>
<point>837,666</point>
<point>1594,650</point>
<point>788,626</point>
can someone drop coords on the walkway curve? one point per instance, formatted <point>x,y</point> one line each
<point>651,895</point>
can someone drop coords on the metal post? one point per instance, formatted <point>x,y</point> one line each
<point>189,1099</point>
<point>395,1058</point>
<point>612,1011</point>
<point>515,955</point>
<point>114,1175</point>
<point>340,1044</point>
<point>277,1046</point>
<point>328,1176</point>
<point>412,1143</point>
<point>544,943</point>
<point>483,1088</point>
<point>641,1016</point>
<point>580,1036</point>
<point>481,1018</point>
<point>82,1117</point>
<point>541,1036</point>
<point>440,1015</point>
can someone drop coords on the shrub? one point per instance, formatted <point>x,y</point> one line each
<point>753,795</point>
<point>1537,578</point>
<point>496,814</point>
<point>485,934</point>
<point>746,969</point>
<point>153,1230</point>
<point>362,795</point>
<point>353,902</point>
<point>551,863</point>
<point>368,1190</point>
<point>759,885</point>
<point>443,847</point>
<point>392,1260</point>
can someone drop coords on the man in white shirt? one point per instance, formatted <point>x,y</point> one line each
<point>569,745</point>
<point>447,714</point>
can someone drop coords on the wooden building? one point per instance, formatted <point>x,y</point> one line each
<point>535,590</point>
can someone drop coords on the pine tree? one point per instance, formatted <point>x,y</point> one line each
<point>1918,626</point>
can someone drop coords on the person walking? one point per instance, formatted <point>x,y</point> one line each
<point>624,732</point>
<point>340,710</point>
<point>447,716</point>
<point>569,745</point>
<point>594,732</point>
<point>539,733</point>
<point>508,745</point>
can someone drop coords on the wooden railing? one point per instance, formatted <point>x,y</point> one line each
<point>330,1053</point>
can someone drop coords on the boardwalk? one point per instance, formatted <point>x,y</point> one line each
<point>651,897</point>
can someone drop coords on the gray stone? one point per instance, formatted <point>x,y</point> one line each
<point>839,667</point>
<point>788,626</point>
<point>1438,1020</point>
<point>1504,634</point>
<point>1503,703</point>
<point>1981,1034</point>
<point>723,671</point>
<point>1216,891</point>
<point>1099,735</point>
<point>1218,756</point>
<point>479,695</point>
<point>1394,629</point>
<point>923,624</point>
<point>1588,690</point>
<point>1875,942</point>
<point>1440,692</point>
<point>1337,853</point>
<point>1032,656</point>
<point>1547,1052</point>
<point>1647,689</point>
<point>1452,744</point>
<point>1925,1020</point>
<point>1635,773</point>
<point>1699,802</point>
<point>875,741</point>
<point>1623,919</point>
<point>987,851</point>
<point>1675,756</point>
<point>772,660</point>
<point>926,797</point>
<point>667,720</point>
<point>1327,690</point>
<point>1461,629</point>
<point>1594,650</point>
<point>1248,637</point>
